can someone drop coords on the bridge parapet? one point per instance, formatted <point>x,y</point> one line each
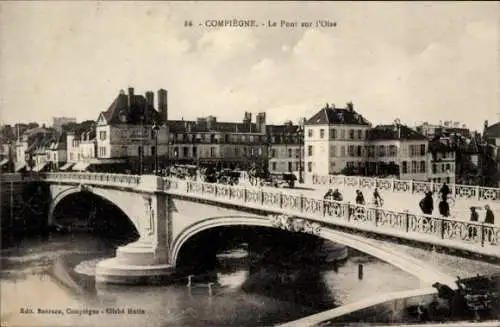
<point>459,191</point>
<point>475,237</point>
<point>124,180</point>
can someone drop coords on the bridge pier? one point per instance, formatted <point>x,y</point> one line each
<point>146,260</point>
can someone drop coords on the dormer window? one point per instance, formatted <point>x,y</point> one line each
<point>123,117</point>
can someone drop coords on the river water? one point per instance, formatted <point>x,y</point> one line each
<point>56,274</point>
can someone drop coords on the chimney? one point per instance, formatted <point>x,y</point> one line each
<point>211,120</point>
<point>485,124</point>
<point>163,104</point>
<point>350,106</point>
<point>130,97</point>
<point>150,98</point>
<point>247,118</point>
<point>260,122</point>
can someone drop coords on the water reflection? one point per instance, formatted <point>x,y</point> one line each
<point>249,289</point>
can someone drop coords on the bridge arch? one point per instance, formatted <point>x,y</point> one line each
<point>426,273</point>
<point>97,192</point>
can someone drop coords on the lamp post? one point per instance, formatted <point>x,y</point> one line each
<point>155,129</point>
<point>300,132</point>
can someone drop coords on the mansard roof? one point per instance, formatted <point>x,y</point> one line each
<point>337,116</point>
<point>394,132</point>
<point>181,126</point>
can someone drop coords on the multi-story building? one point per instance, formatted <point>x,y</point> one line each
<point>81,149</point>
<point>492,137</point>
<point>397,150</point>
<point>50,153</point>
<point>27,144</point>
<point>126,130</point>
<point>286,150</point>
<point>224,144</point>
<point>334,139</point>
<point>57,122</point>
<point>442,160</point>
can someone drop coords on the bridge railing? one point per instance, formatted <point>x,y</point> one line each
<point>395,223</point>
<point>459,191</point>
<point>93,178</point>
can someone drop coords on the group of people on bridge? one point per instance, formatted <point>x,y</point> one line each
<point>446,200</point>
<point>335,195</point>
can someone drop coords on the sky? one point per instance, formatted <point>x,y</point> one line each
<point>416,62</point>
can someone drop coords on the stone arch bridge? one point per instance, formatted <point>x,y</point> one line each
<point>168,212</point>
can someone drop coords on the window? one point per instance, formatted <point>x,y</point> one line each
<point>322,133</point>
<point>342,151</point>
<point>393,150</point>
<point>153,150</point>
<point>358,151</point>
<point>447,180</point>
<point>405,167</point>
<point>342,134</point>
<point>102,152</point>
<point>195,152</point>
<point>185,151</point>
<point>414,167</point>
<point>273,164</point>
<point>351,134</point>
<point>447,167</point>
<point>333,134</point>
<point>297,166</point>
<point>244,152</point>
<point>434,168</point>
<point>289,153</point>
<point>297,153</point>
<point>360,134</point>
<point>289,166</point>
<point>422,166</point>
<point>333,151</point>
<point>102,135</point>
<point>273,153</point>
<point>309,132</point>
<point>310,150</point>
<point>310,167</point>
<point>422,150</point>
<point>212,151</point>
<point>350,150</point>
<point>381,151</point>
<point>176,152</point>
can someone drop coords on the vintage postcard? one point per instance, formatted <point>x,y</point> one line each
<point>270,163</point>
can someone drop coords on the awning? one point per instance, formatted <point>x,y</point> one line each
<point>81,166</point>
<point>3,162</point>
<point>66,166</point>
<point>20,166</point>
<point>39,167</point>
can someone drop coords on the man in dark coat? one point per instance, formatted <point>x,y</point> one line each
<point>444,208</point>
<point>489,217</point>
<point>427,204</point>
<point>444,191</point>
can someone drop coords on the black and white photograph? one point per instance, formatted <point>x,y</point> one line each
<point>249,163</point>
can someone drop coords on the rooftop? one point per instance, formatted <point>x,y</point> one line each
<point>394,131</point>
<point>329,115</point>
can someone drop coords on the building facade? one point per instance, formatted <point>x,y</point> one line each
<point>224,144</point>
<point>334,139</point>
<point>398,151</point>
<point>125,130</point>
<point>285,150</point>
